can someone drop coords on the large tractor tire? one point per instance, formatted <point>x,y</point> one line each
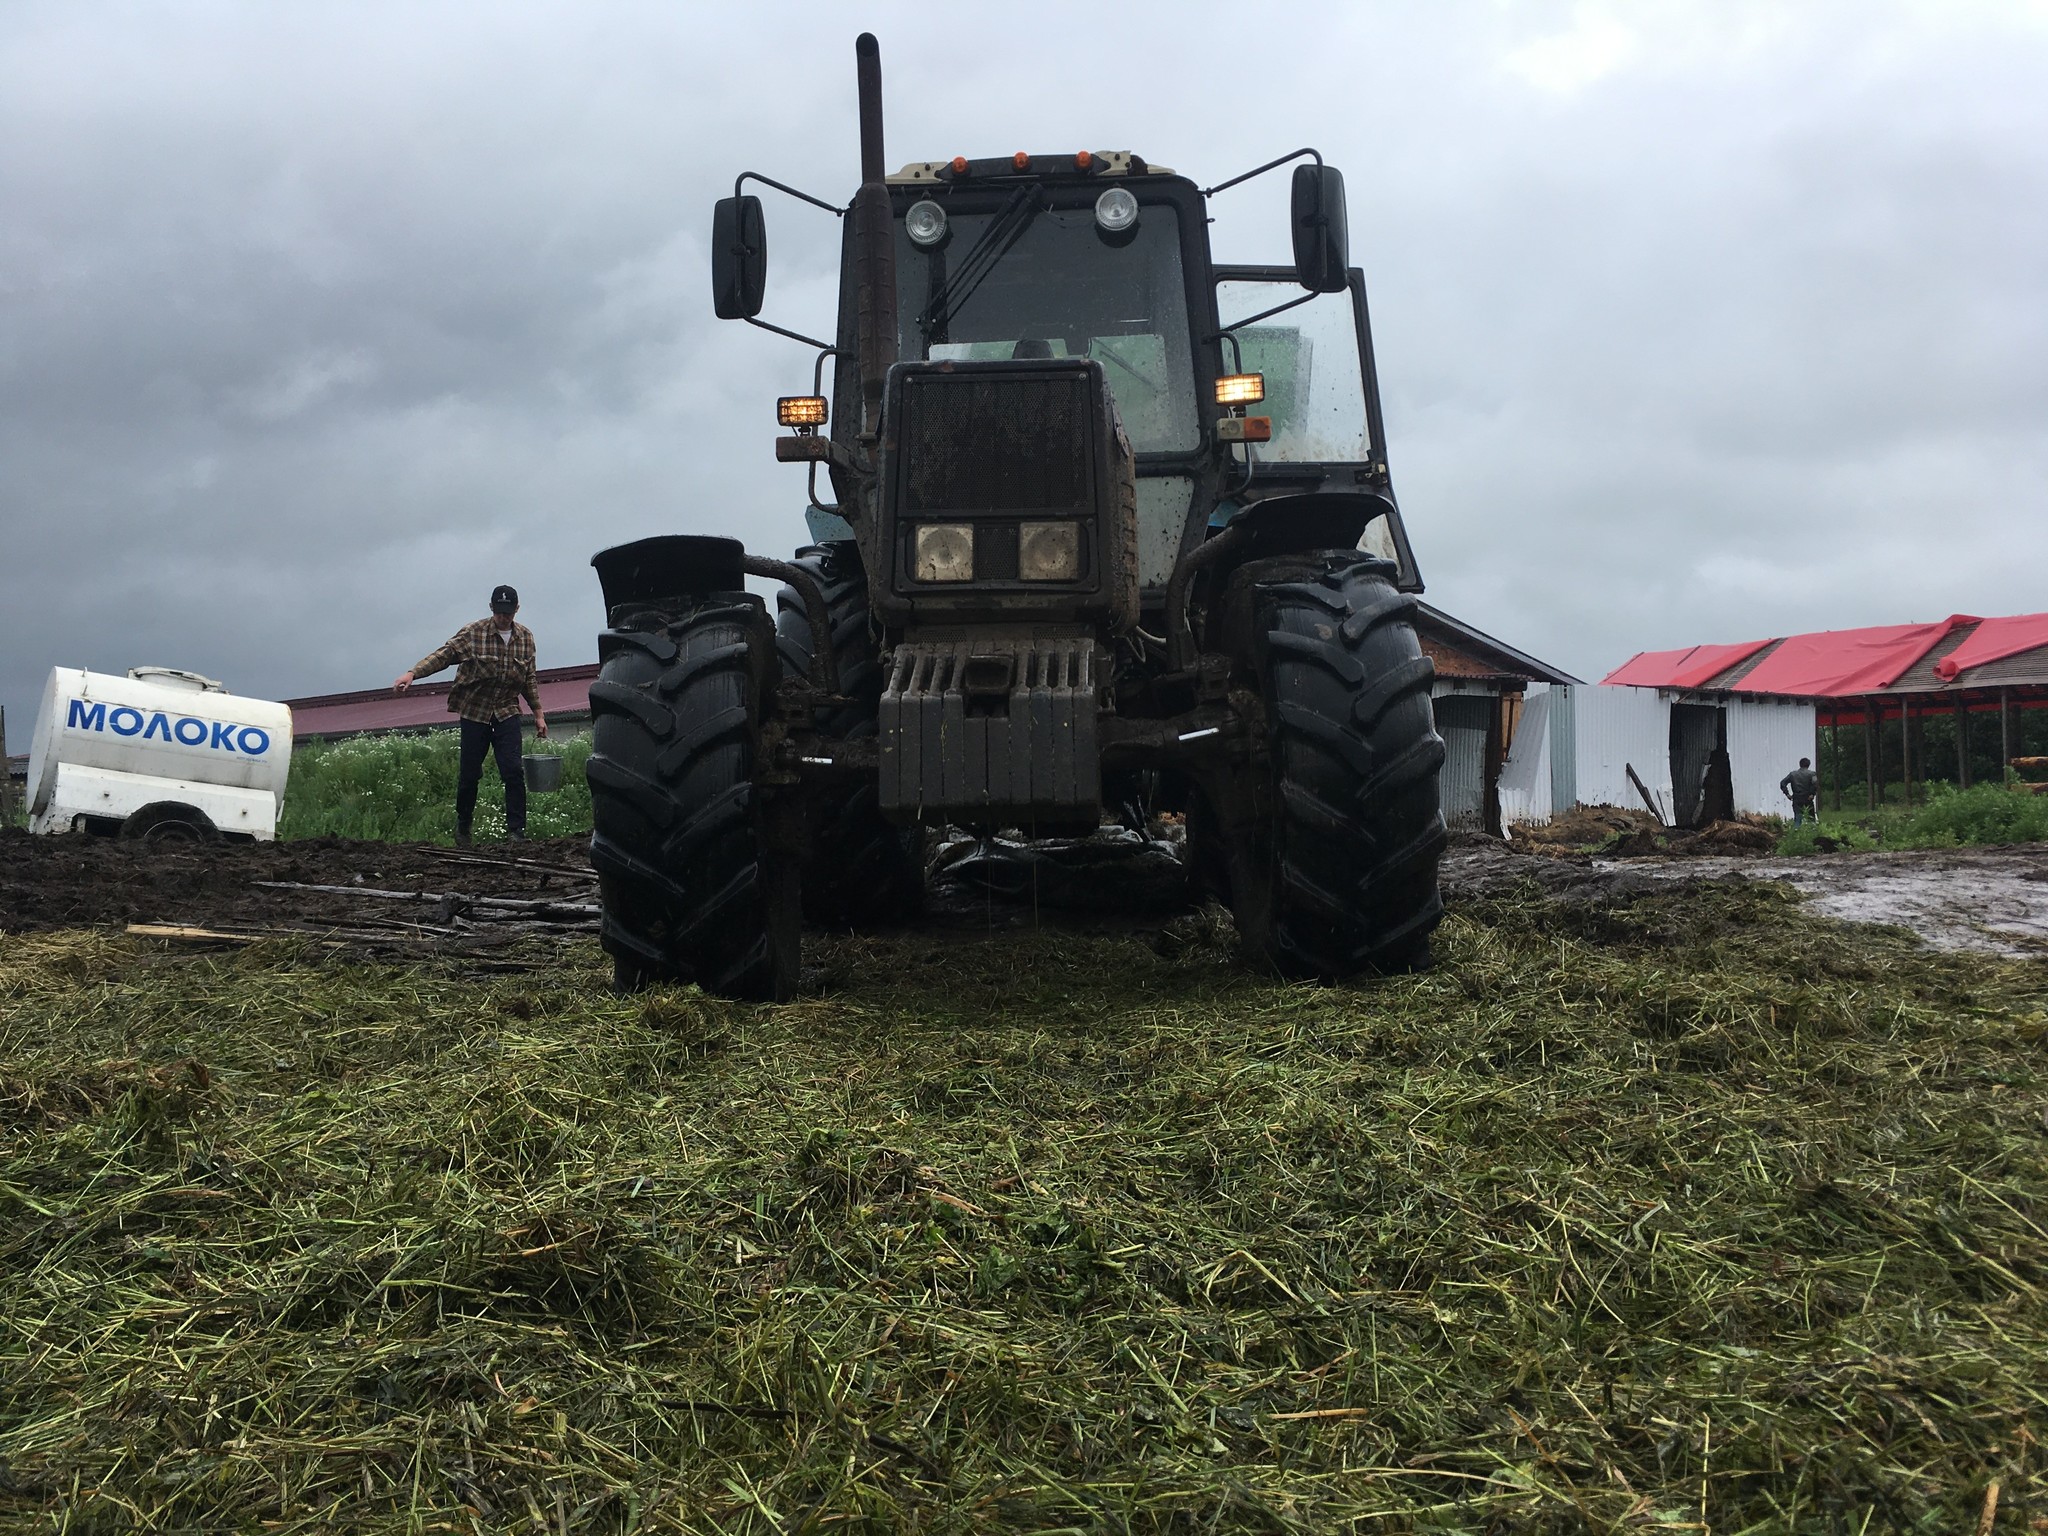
<point>858,869</point>
<point>1342,875</point>
<point>697,878</point>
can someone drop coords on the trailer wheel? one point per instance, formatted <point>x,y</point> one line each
<point>696,879</point>
<point>1342,875</point>
<point>169,824</point>
<point>858,868</point>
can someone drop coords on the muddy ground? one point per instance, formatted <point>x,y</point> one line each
<point>404,896</point>
<point>389,893</point>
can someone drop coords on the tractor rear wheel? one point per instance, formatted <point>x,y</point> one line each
<point>858,868</point>
<point>1342,875</point>
<point>697,880</point>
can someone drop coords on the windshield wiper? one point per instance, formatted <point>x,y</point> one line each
<point>954,291</point>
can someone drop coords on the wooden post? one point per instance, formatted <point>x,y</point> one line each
<point>1905,744</point>
<point>1872,758</point>
<point>1835,755</point>
<point>1962,744</point>
<point>6,775</point>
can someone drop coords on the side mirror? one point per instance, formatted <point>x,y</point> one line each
<point>1322,237</point>
<point>739,258</point>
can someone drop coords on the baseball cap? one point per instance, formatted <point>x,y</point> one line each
<point>504,599</point>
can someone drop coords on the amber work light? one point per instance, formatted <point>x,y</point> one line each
<point>1241,389</point>
<point>801,410</point>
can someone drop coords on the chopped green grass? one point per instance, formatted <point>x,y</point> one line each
<point>1698,1213</point>
<point>401,788</point>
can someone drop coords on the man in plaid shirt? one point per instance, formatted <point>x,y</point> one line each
<point>494,661</point>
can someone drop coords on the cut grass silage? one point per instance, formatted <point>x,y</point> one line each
<point>1698,1213</point>
<point>402,789</point>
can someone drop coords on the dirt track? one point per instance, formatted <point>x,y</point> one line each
<point>81,882</point>
<point>1992,899</point>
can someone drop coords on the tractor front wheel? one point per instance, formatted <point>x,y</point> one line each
<point>696,881</point>
<point>1340,873</point>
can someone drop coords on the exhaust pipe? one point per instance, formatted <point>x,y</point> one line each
<point>874,242</point>
<point>867,58</point>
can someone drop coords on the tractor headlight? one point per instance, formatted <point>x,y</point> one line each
<point>1116,211</point>
<point>943,552</point>
<point>1049,551</point>
<point>925,223</point>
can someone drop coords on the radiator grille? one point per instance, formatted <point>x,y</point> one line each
<point>1002,444</point>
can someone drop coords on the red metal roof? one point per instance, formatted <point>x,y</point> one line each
<point>1688,668</point>
<point>1849,663</point>
<point>1841,661</point>
<point>564,691</point>
<point>1994,640</point>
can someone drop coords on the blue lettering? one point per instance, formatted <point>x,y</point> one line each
<point>260,745</point>
<point>158,726</point>
<point>134,721</point>
<point>82,719</point>
<point>223,736</point>
<point>197,739</point>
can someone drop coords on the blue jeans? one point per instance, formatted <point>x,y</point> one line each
<point>502,739</point>
<point>1803,810</point>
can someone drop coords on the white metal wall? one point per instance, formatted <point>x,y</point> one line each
<point>1595,733</point>
<point>1766,739</point>
<point>1525,777</point>
<point>1614,729</point>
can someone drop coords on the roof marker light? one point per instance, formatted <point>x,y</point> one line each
<point>1021,160</point>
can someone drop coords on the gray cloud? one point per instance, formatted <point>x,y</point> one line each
<point>1695,323</point>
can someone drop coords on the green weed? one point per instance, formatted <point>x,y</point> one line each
<point>401,788</point>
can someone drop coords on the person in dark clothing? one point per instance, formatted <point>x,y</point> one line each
<point>494,660</point>
<point>1802,787</point>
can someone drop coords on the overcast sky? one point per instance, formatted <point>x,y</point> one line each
<point>1695,322</point>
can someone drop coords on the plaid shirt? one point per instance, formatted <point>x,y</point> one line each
<point>491,677</point>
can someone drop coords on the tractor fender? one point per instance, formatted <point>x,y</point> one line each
<point>1295,525</point>
<point>1274,527</point>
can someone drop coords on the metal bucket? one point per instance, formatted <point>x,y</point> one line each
<point>543,772</point>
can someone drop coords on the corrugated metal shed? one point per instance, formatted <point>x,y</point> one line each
<point>1963,667</point>
<point>1575,746</point>
<point>1480,683</point>
<point>1466,723</point>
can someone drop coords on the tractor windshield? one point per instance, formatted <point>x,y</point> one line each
<point>1048,283</point>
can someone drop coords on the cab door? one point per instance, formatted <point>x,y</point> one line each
<point>1322,395</point>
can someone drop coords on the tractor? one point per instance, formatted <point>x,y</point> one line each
<point>1109,534</point>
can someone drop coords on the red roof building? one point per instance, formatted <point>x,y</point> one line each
<point>1962,665</point>
<point>564,694</point>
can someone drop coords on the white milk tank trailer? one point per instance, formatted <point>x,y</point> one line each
<point>160,754</point>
